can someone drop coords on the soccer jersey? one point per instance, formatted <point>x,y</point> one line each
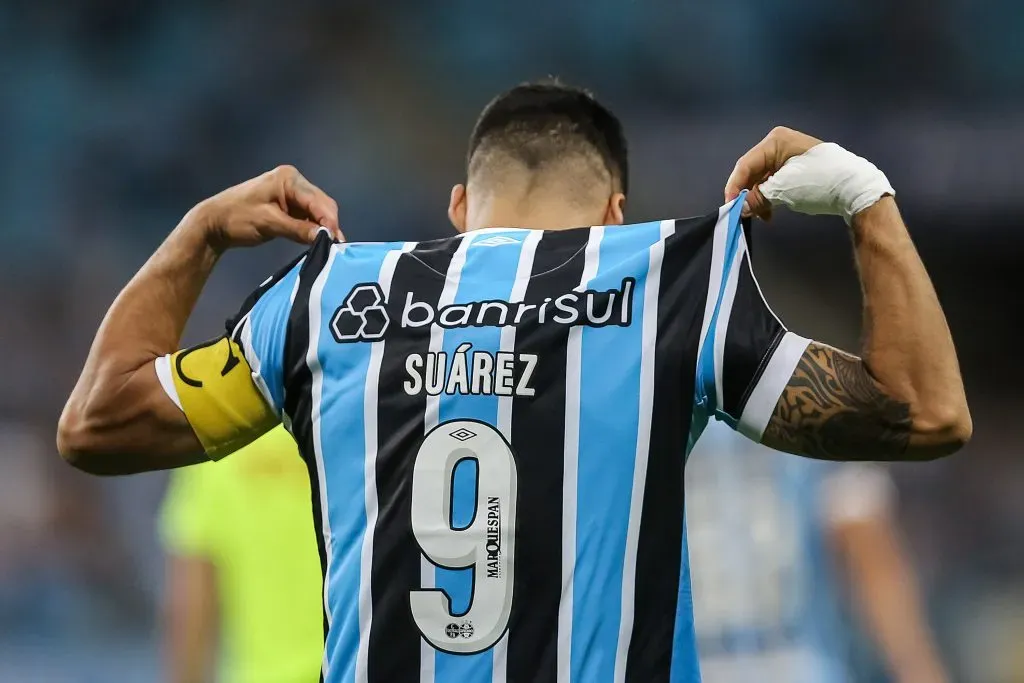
<point>496,426</point>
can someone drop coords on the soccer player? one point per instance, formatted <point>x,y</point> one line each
<point>789,556</point>
<point>496,424</point>
<point>242,585</point>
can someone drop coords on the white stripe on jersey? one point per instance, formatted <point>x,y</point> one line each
<point>430,420</point>
<point>649,341</point>
<point>774,379</point>
<point>714,278</point>
<point>317,376</point>
<point>253,359</point>
<point>573,361</point>
<point>508,343</point>
<point>732,278</point>
<point>387,272</point>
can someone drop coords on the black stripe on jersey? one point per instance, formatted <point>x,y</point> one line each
<point>750,339</point>
<point>394,647</point>
<point>684,284</point>
<point>298,383</point>
<point>251,300</point>
<point>538,436</point>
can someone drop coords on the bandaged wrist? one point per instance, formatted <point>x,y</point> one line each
<point>827,179</point>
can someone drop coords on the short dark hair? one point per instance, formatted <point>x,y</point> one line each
<point>571,117</point>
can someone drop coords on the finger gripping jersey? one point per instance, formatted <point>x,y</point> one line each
<point>496,426</point>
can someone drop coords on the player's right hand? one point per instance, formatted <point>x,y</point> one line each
<point>757,165</point>
<point>279,203</point>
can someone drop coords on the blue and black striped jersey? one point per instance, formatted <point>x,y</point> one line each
<point>496,426</point>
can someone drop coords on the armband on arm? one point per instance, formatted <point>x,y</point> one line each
<point>214,386</point>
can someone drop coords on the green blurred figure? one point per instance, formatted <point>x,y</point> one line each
<point>243,600</point>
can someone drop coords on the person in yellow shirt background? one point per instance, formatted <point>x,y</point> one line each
<point>243,588</point>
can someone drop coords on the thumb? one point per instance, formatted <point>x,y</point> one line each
<point>755,204</point>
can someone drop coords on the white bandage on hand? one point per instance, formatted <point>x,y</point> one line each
<point>829,180</point>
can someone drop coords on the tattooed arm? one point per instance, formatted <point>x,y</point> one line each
<point>905,400</point>
<point>833,409</point>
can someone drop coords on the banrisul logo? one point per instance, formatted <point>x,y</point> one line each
<point>363,316</point>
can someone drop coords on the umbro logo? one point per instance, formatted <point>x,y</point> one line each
<point>495,241</point>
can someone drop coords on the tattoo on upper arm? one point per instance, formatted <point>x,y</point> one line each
<point>833,409</point>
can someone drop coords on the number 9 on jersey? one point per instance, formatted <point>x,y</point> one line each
<point>486,545</point>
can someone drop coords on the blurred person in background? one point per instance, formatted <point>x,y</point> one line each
<point>789,557</point>
<point>242,601</point>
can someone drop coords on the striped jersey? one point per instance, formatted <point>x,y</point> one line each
<point>496,426</point>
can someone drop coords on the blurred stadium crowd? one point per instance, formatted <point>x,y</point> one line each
<point>116,117</point>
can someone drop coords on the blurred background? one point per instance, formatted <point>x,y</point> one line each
<point>116,117</point>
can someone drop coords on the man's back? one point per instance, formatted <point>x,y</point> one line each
<point>498,425</point>
<point>541,155</point>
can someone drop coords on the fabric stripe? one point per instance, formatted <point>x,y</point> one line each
<point>260,328</point>
<point>508,343</point>
<point>298,393</point>
<point>163,375</point>
<point>574,360</point>
<point>661,643</point>
<point>772,383</point>
<point>488,274</point>
<point>709,367</point>
<point>607,449</point>
<point>428,577</point>
<point>341,372</point>
<point>393,652</point>
<point>728,236</point>
<point>538,435</point>
<point>725,307</point>
<point>370,410</point>
<point>751,337</point>
<point>715,276</point>
<point>648,348</point>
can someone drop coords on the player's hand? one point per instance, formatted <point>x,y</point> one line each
<point>279,203</point>
<point>757,165</point>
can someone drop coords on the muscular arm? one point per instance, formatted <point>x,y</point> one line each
<point>904,400</point>
<point>118,418</point>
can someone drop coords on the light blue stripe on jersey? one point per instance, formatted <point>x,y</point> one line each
<point>705,391</point>
<point>685,665</point>
<point>488,274</point>
<point>608,423</point>
<point>268,322</point>
<point>707,381</point>
<point>342,444</point>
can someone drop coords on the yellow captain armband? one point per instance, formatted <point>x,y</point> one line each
<point>213,385</point>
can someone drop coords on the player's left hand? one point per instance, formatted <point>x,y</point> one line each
<point>758,164</point>
<point>792,169</point>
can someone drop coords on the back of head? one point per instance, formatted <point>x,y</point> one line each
<point>546,140</point>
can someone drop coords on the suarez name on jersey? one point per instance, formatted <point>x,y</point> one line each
<point>496,427</point>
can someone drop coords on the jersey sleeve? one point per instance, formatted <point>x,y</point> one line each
<point>746,354</point>
<point>231,388</point>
